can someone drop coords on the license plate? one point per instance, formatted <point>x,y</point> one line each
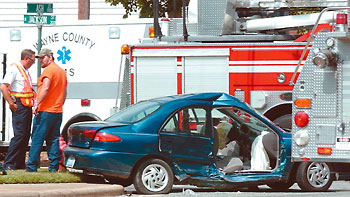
<point>70,162</point>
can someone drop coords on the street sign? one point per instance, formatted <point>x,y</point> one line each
<point>40,20</point>
<point>39,8</point>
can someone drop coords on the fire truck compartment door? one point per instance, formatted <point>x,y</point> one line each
<point>1,102</point>
<point>206,74</point>
<point>5,113</point>
<point>155,77</point>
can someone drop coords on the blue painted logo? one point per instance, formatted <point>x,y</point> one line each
<point>63,55</point>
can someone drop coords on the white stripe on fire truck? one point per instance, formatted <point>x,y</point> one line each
<point>132,69</point>
<point>268,62</point>
<point>179,69</point>
<point>262,69</point>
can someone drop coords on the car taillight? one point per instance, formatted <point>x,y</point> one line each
<point>324,150</point>
<point>301,119</point>
<point>106,137</point>
<point>89,133</point>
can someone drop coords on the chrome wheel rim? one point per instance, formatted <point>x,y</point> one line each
<point>155,177</point>
<point>318,174</point>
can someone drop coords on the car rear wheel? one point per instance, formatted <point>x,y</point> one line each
<point>314,176</point>
<point>154,176</point>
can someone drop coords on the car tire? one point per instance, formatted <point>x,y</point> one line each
<point>119,181</point>
<point>154,176</point>
<point>314,176</point>
<point>280,186</point>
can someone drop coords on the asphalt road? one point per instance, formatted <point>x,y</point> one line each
<point>338,189</point>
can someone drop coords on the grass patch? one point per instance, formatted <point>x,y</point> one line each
<point>42,176</point>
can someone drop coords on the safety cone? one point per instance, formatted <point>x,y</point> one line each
<point>63,145</point>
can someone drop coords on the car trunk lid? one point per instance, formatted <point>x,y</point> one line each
<point>82,134</point>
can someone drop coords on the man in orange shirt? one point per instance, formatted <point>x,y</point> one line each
<point>52,91</point>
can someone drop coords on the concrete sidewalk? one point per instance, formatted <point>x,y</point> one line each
<point>60,189</point>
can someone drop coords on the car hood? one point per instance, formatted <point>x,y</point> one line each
<point>82,134</point>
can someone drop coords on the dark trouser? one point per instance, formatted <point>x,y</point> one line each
<point>46,127</point>
<point>21,124</point>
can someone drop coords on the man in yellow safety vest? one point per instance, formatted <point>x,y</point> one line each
<point>17,89</point>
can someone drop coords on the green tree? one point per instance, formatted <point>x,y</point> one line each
<point>146,7</point>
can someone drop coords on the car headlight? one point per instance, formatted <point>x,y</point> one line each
<point>301,138</point>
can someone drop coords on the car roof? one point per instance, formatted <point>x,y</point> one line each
<point>212,96</point>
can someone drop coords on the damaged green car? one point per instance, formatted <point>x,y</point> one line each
<point>206,139</point>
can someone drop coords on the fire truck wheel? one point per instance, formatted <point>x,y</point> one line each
<point>314,176</point>
<point>154,176</point>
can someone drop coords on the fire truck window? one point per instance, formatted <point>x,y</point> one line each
<point>190,120</point>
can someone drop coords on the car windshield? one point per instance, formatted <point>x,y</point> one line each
<point>135,112</point>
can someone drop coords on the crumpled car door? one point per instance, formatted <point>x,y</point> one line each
<point>189,149</point>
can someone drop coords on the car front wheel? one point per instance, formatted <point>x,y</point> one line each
<point>314,176</point>
<point>154,176</point>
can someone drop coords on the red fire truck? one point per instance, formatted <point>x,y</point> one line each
<point>249,49</point>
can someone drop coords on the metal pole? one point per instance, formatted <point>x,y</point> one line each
<point>40,27</point>
<point>184,28</point>
<point>157,32</point>
<point>3,128</point>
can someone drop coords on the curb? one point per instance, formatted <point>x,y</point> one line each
<point>60,189</point>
